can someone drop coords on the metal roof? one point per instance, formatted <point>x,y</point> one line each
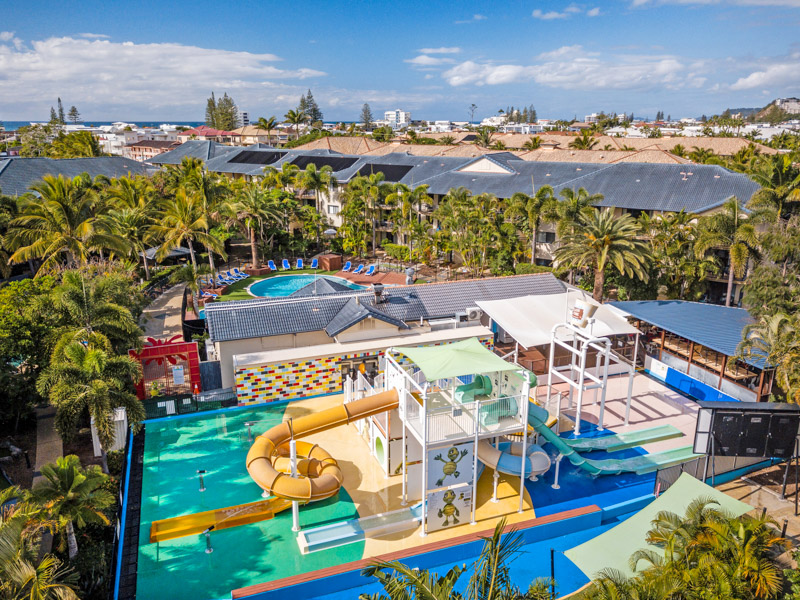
<point>278,316</point>
<point>320,286</point>
<point>713,326</point>
<point>202,149</point>
<point>18,174</point>
<point>353,312</point>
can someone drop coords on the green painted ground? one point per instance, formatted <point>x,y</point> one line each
<point>180,569</point>
<point>237,290</point>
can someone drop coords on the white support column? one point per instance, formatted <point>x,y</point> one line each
<point>495,475</point>
<point>550,382</point>
<point>472,520</point>
<point>581,386</point>
<point>631,377</point>
<point>404,399</point>
<point>295,503</point>
<point>607,358</point>
<point>526,388</point>
<point>424,531</point>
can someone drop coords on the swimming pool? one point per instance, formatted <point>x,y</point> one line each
<point>285,285</point>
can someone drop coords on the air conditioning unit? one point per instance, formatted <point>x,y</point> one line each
<point>474,314</point>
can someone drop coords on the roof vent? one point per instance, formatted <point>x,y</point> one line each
<point>377,289</point>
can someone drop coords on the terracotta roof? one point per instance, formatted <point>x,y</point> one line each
<point>153,144</point>
<point>204,130</point>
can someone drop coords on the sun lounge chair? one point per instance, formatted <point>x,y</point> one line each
<point>359,270</point>
<point>233,276</point>
<point>370,271</point>
<point>271,265</point>
<point>314,263</point>
<point>286,266</point>
<point>205,294</point>
<point>299,263</point>
<point>240,274</point>
<point>646,463</point>
<point>347,266</point>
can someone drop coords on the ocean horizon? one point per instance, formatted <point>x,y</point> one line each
<point>11,125</point>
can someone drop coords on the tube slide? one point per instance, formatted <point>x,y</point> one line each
<point>318,474</point>
<point>507,458</point>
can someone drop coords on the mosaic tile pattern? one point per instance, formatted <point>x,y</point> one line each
<point>299,379</point>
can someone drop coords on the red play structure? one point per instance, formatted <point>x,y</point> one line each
<point>169,367</point>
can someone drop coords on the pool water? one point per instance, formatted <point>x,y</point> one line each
<point>217,442</point>
<point>285,285</point>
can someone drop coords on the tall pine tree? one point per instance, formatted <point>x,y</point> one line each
<point>53,115</point>
<point>366,115</point>
<point>61,118</point>
<point>73,114</point>
<point>211,112</point>
<point>312,108</point>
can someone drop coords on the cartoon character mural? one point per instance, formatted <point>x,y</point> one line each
<point>450,466</point>
<point>449,509</point>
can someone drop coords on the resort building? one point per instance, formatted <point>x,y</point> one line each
<point>397,118</point>
<point>147,149</point>
<point>205,133</point>
<point>306,343</point>
<point>18,174</point>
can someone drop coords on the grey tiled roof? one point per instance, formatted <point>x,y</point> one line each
<point>18,174</point>
<point>202,149</point>
<point>354,311</point>
<point>320,287</point>
<point>276,316</point>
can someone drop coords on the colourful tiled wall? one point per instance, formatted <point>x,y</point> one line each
<point>298,379</point>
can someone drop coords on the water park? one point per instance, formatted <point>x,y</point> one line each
<point>415,455</point>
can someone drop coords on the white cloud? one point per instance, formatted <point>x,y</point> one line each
<point>593,12</point>
<point>94,73</point>
<point>549,15</point>
<point>441,50</point>
<point>573,68</point>
<point>781,72</point>
<point>475,18</point>
<point>425,61</point>
<point>94,36</point>
<point>572,8</point>
<point>6,36</point>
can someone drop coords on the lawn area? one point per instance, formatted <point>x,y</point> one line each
<point>238,290</point>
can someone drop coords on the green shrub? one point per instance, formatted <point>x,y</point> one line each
<point>396,251</point>
<point>115,460</point>
<point>529,269</point>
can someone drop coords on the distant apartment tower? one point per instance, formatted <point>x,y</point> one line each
<point>397,118</point>
<point>592,118</point>
<point>244,118</point>
<point>790,105</point>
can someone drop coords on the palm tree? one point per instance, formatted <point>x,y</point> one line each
<point>296,118</point>
<point>252,210</point>
<point>88,377</point>
<point>566,211</point>
<point>316,180</point>
<point>585,141</point>
<point>775,339</point>
<point>602,239</point>
<point>447,140</point>
<point>408,204</point>
<point>190,275</point>
<point>374,191</point>
<point>133,214</point>
<point>93,308</point>
<point>268,125</point>
<point>483,137</point>
<point>282,179</point>
<point>489,578</point>
<point>61,220</point>
<point>701,155</point>
<point>210,188</point>
<point>533,144</point>
<point>678,150</point>
<point>780,185</point>
<point>183,219</point>
<point>23,575</point>
<point>499,145</point>
<point>729,229</point>
<point>527,213</point>
<point>73,496</point>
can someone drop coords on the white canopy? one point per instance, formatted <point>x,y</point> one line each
<point>530,319</point>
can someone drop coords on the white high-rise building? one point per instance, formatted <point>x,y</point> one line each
<point>397,118</point>
<point>244,118</point>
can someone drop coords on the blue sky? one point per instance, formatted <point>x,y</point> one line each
<point>160,60</point>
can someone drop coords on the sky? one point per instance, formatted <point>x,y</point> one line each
<point>160,60</point>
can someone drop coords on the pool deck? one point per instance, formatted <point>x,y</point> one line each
<point>388,278</point>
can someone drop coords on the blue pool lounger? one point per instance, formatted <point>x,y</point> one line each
<point>347,266</point>
<point>299,263</point>
<point>286,265</point>
<point>271,265</point>
<point>314,263</point>
<point>359,270</point>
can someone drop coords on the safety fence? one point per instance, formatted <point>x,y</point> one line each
<point>180,404</point>
<point>704,469</point>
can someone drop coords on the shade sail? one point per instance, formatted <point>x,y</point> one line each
<point>613,549</point>
<point>467,357</point>
<point>530,319</point>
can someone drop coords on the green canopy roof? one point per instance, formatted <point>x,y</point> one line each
<point>467,357</point>
<point>613,548</point>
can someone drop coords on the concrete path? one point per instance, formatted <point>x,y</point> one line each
<point>49,447</point>
<point>162,318</point>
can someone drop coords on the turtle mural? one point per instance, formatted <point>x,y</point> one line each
<point>449,509</point>
<point>450,466</point>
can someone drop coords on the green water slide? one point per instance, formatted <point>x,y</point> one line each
<point>627,439</point>
<point>647,463</point>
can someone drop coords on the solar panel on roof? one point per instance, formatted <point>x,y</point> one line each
<point>390,172</point>
<point>337,163</point>
<point>255,157</point>
<point>469,138</point>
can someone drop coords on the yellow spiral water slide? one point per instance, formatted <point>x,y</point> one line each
<point>318,474</point>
